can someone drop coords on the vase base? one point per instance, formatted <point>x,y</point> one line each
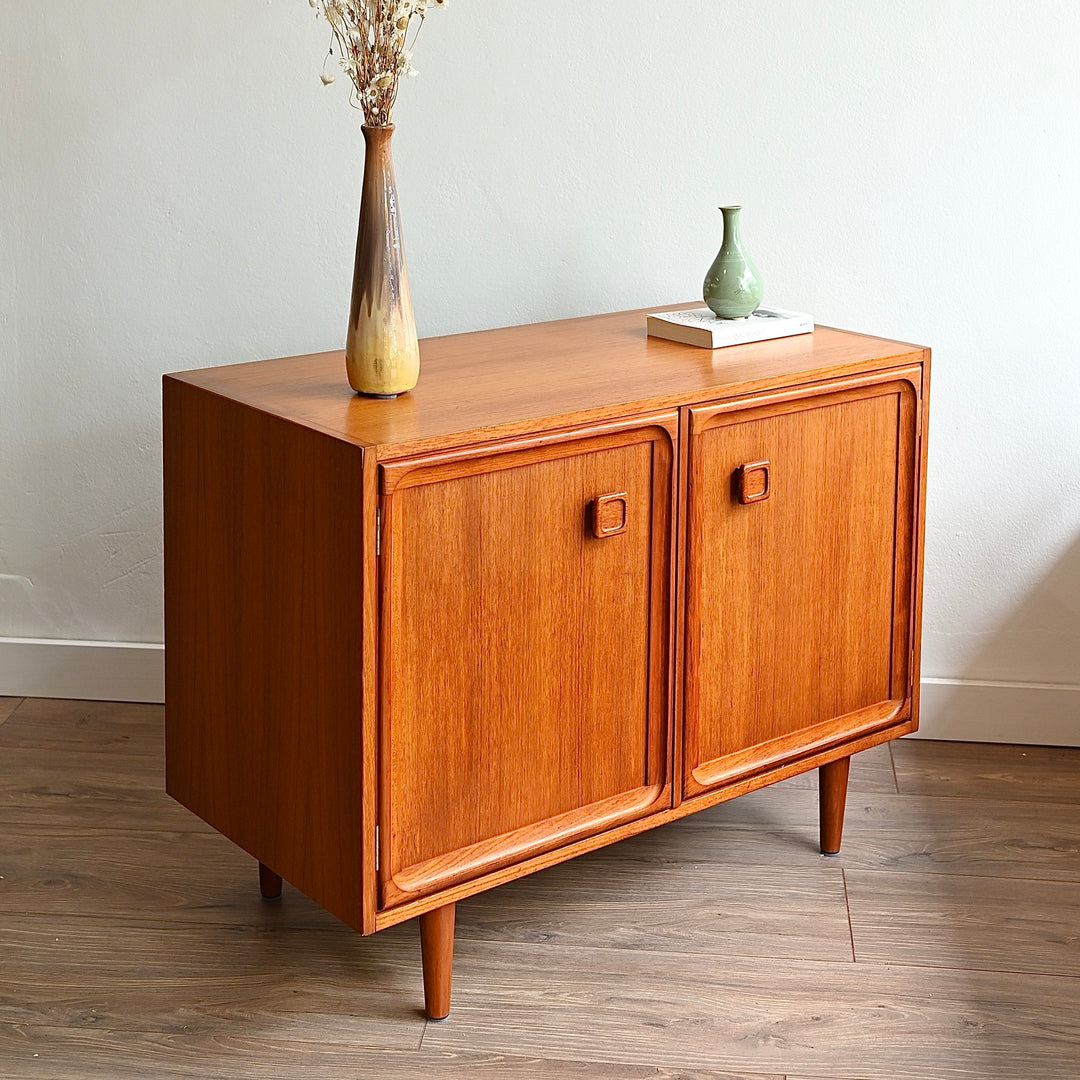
<point>379,397</point>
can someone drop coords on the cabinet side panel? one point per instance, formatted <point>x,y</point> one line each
<point>263,543</point>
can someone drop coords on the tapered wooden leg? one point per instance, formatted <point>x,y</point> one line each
<point>269,883</point>
<point>832,791</point>
<point>437,951</point>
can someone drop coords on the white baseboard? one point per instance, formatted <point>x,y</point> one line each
<point>91,670</point>
<point>961,710</point>
<point>958,710</point>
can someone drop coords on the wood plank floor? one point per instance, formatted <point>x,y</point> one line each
<point>943,943</point>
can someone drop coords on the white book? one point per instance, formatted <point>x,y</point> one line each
<point>701,327</point>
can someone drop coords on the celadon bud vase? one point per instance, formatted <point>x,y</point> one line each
<point>382,354</point>
<point>733,286</point>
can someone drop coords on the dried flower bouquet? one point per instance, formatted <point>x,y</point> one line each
<point>372,39</point>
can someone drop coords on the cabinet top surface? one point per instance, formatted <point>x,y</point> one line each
<point>514,379</point>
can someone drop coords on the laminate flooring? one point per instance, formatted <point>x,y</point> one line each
<point>943,943</point>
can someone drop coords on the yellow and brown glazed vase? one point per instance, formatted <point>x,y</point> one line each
<point>382,354</point>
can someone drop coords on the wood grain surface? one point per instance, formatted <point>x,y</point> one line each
<point>989,771</point>
<point>930,835</point>
<point>814,619</point>
<point>264,532</point>
<point>873,1021</point>
<point>67,790</point>
<point>64,1054</point>
<point>705,909</point>
<point>7,706</point>
<point>716,948</point>
<point>946,920</point>
<point>521,378</point>
<point>496,744</point>
<point>58,724</point>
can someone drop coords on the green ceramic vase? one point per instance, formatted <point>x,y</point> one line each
<point>733,287</point>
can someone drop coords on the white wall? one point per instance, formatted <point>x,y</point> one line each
<point>178,189</point>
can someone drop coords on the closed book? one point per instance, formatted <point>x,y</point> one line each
<point>701,327</point>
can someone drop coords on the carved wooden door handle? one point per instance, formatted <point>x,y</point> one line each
<point>609,514</point>
<point>752,483</point>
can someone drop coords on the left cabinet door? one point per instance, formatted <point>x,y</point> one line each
<point>524,699</point>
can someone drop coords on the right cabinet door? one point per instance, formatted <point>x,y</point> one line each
<point>799,574</point>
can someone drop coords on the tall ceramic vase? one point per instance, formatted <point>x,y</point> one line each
<point>733,286</point>
<point>382,355</point>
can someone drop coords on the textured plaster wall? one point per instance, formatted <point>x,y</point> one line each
<point>178,189</point>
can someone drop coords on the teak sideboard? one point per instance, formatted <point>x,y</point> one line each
<point>579,583</point>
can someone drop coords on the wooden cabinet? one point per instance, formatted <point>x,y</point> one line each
<point>577,584</point>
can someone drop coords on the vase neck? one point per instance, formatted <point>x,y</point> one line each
<point>377,139</point>
<point>378,163</point>
<point>732,224</point>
